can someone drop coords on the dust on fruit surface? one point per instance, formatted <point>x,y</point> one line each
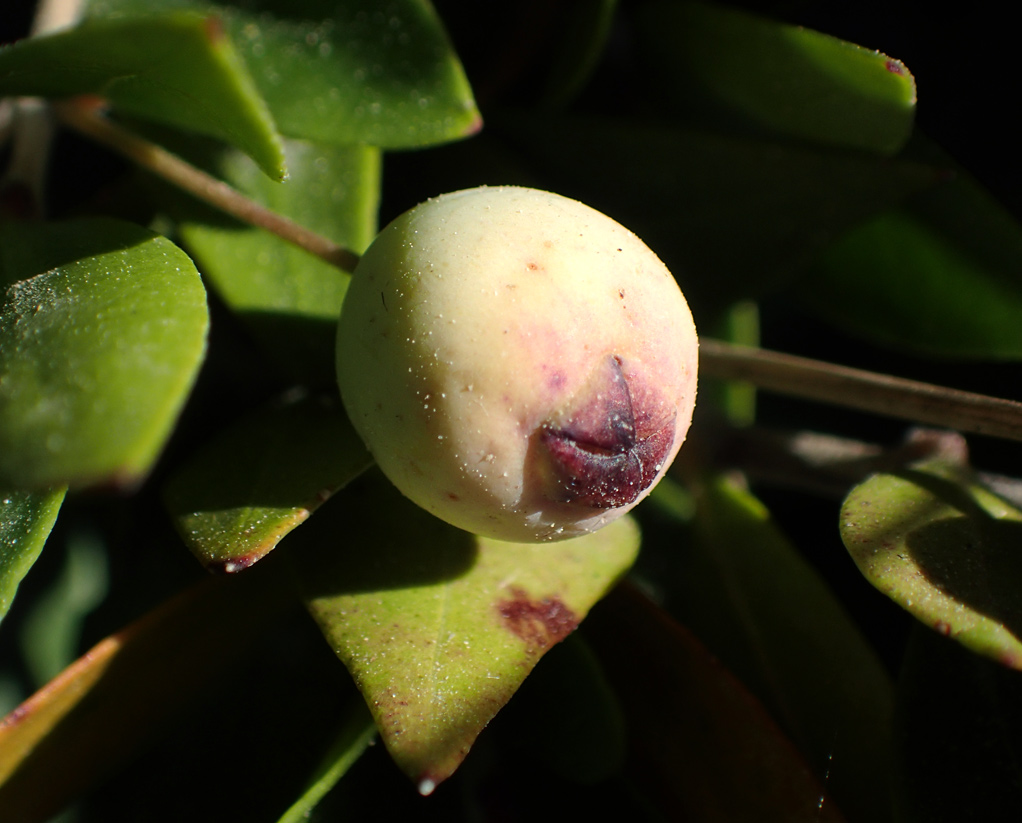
<point>519,364</point>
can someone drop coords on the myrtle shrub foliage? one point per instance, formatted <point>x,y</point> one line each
<point>167,369</point>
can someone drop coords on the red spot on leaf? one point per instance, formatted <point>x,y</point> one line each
<point>894,67</point>
<point>540,623</point>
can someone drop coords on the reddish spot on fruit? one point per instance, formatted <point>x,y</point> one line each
<point>540,623</point>
<point>600,456</point>
<point>895,67</point>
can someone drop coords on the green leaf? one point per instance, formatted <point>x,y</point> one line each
<point>178,69</point>
<point>52,627</point>
<point>763,610</point>
<point>732,217</point>
<point>367,74</point>
<point>787,79</point>
<point>587,33</point>
<point>938,276</point>
<point>946,550</point>
<point>569,718</point>
<point>702,747</point>
<point>237,497</point>
<point>288,298</point>
<point>355,736</point>
<point>958,724</point>
<point>98,711</point>
<point>439,627</point>
<point>102,332</point>
<point>25,522</point>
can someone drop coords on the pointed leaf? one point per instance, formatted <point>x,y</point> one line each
<point>959,723</point>
<point>101,335</point>
<point>368,74</point>
<point>236,498</point>
<point>768,616</point>
<point>788,79</point>
<point>290,299</point>
<point>439,627</point>
<point>25,522</point>
<point>939,275</point>
<point>703,748</point>
<point>945,549</point>
<point>96,713</point>
<point>731,217</point>
<point>178,69</point>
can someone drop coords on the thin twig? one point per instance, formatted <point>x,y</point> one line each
<point>863,390</point>
<point>86,120</point>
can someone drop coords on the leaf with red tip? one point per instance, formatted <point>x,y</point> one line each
<point>368,74</point>
<point>945,549</point>
<point>236,498</point>
<point>437,626</point>
<point>179,69</point>
<point>788,79</point>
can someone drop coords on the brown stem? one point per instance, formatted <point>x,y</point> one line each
<point>84,118</point>
<point>863,390</point>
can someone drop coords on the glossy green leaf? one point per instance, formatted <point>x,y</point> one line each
<point>939,276</point>
<point>178,69</point>
<point>25,522</point>
<point>368,74</point>
<point>99,710</point>
<point>288,298</point>
<point>439,627</point>
<point>237,497</point>
<point>732,217</point>
<point>763,610</point>
<point>946,550</point>
<point>958,726</point>
<point>702,747</point>
<point>102,332</point>
<point>786,79</point>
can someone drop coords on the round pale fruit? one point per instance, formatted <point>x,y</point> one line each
<point>519,364</point>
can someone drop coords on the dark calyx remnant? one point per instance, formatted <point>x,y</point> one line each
<point>600,457</point>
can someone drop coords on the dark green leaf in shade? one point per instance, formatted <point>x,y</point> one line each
<point>701,747</point>
<point>763,610</point>
<point>179,69</point>
<point>356,734</point>
<point>102,332</point>
<point>51,630</point>
<point>93,717</point>
<point>25,522</point>
<point>945,549</point>
<point>237,497</point>
<point>368,73</point>
<point>958,723</point>
<point>732,217</point>
<point>439,627</point>
<point>569,718</point>
<point>940,275</point>
<point>288,298</point>
<point>786,79</point>
<point>587,33</point>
